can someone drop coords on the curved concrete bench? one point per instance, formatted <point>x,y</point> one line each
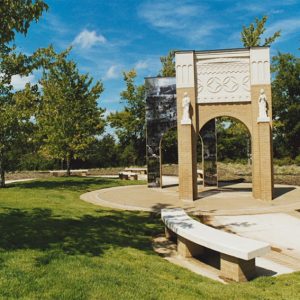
<point>200,174</point>
<point>128,176</point>
<point>57,173</point>
<point>136,170</point>
<point>237,254</point>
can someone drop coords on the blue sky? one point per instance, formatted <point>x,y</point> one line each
<point>113,36</point>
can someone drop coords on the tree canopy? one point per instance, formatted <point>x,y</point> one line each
<point>16,16</point>
<point>130,122</point>
<point>68,116</point>
<point>168,65</point>
<point>286,104</point>
<point>251,36</point>
<point>15,107</point>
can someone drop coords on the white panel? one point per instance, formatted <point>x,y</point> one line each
<point>185,76</point>
<point>260,62</point>
<point>223,79</point>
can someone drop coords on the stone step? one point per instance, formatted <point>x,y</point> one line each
<point>283,259</point>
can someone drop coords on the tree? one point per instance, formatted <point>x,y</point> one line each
<point>16,16</point>
<point>168,65</point>
<point>169,147</point>
<point>130,122</point>
<point>16,127</point>
<point>233,139</point>
<point>68,117</point>
<point>251,36</point>
<point>15,108</point>
<point>103,153</point>
<point>286,104</point>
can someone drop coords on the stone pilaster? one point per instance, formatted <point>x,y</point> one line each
<point>187,133</point>
<point>262,150</point>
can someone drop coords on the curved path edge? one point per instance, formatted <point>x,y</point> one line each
<point>94,198</point>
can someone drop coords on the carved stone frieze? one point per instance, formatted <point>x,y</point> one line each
<point>223,80</point>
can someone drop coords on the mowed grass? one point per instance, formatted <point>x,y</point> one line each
<point>55,246</point>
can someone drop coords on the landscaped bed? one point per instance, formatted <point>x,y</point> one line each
<point>55,246</point>
<point>289,174</point>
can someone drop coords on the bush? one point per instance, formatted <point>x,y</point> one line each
<point>284,161</point>
<point>297,160</point>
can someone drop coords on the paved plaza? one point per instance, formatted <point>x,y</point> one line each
<point>232,199</point>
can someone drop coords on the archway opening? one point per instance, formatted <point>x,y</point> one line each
<point>225,149</point>
<point>169,158</point>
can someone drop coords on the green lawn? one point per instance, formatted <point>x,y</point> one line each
<point>55,246</point>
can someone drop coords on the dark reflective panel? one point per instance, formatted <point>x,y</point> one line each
<point>209,155</point>
<point>161,115</point>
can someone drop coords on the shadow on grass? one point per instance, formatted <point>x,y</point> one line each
<point>89,235</point>
<point>71,183</point>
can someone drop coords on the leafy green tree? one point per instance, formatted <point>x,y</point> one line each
<point>15,108</point>
<point>68,117</point>
<point>16,16</point>
<point>103,153</point>
<point>130,122</point>
<point>168,65</point>
<point>251,36</point>
<point>169,141</point>
<point>16,127</point>
<point>233,140</point>
<point>169,147</point>
<point>286,105</point>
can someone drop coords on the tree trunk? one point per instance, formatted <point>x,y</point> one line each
<point>2,175</point>
<point>68,166</point>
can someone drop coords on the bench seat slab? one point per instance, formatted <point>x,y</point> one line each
<point>244,248</point>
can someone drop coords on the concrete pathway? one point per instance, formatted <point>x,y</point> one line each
<point>133,197</point>
<point>18,180</point>
<point>280,230</point>
<point>234,199</point>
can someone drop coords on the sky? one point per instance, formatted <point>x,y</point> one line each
<point>113,36</point>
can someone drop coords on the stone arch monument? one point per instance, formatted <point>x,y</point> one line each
<point>234,83</point>
<point>210,84</point>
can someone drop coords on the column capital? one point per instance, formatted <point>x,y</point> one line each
<point>260,65</point>
<point>185,69</point>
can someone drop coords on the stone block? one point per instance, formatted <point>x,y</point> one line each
<point>237,269</point>
<point>186,248</point>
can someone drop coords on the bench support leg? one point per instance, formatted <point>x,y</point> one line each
<point>170,235</point>
<point>237,269</point>
<point>186,248</point>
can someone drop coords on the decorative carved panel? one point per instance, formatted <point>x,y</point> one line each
<point>223,80</point>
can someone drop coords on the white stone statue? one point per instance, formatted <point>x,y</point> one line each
<point>186,102</point>
<point>262,107</point>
